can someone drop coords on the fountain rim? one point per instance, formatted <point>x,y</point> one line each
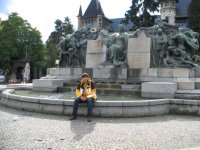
<point>120,109</point>
<point>9,94</point>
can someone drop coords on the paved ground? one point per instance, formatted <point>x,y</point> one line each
<point>20,130</point>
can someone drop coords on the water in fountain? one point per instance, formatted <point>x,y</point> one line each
<point>71,95</point>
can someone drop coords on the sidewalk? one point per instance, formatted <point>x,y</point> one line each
<point>20,130</point>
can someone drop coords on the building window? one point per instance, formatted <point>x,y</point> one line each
<point>167,19</point>
<point>100,22</point>
<point>92,22</point>
<point>89,21</point>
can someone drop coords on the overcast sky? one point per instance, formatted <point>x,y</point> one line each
<point>43,13</point>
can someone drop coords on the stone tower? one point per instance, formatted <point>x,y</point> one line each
<point>168,10</point>
<point>80,23</point>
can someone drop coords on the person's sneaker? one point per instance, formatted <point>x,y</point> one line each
<point>73,118</point>
<point>89,119</point>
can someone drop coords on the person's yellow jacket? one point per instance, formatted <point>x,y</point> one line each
<point>86,89</point>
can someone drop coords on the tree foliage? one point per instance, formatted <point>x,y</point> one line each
<point>194,15</point>
<point>140,13</point>
<point>61,29</point>
<point>19,41</point>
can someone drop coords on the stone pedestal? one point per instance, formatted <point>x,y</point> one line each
<point>138,54</point>
<point>48,85</point>
<point>95,53</point>
<point>107,74</point>
<point>186,79</point>
<point>139,51</point>
<point>158,89</point>
<point>186,85</point>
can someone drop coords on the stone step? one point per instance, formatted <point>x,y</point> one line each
<point>193,92</point>
<point>188,94</point>
<point>108,86</point>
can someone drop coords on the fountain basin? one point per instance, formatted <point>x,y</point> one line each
<point>139,108</point>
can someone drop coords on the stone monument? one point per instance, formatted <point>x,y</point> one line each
<point>163,55</point>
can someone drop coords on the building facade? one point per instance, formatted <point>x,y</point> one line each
<point>94,16</point>
<point>168,10</point>
<point>181,17</point>
<point>175,11</point>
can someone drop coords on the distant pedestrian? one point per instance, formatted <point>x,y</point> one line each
<point>27,72</point>
<point>23,76</point>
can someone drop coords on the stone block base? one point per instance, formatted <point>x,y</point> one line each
<point>158,89</point>
<point>186,85</point>
<point>49,85</point>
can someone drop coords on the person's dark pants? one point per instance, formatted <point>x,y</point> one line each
<point>89,106</point>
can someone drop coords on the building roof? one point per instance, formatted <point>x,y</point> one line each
<point>182,8</point>
<point>80,12</point>
<point>94,9</point>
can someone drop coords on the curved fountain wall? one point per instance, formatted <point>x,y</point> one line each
<point>140,108</point>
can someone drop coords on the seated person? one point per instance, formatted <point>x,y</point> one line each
<point>86,93</point>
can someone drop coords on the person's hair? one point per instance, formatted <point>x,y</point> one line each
<point>85,75</point>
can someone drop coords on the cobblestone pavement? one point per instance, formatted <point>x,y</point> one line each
<point>20,130</point>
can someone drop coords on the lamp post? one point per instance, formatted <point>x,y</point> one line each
<point>27,42</point>
<point>26,51</point>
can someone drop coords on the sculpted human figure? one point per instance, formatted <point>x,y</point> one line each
<point>172,46</point>
<point>82,47</point>
<point>177,44</point>
<point>158,46</point>
<point>192,40</point>
<point>109,55</point>
<point>62,50</point>
<point>196,59</point>
<point>170,61</point>
<point>117,45</point>
<point>166,27</point>
<point>73,47</point>
<point>181,46</point>
<point>72,51</point>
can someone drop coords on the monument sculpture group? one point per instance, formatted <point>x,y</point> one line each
<point>73,47</point>
<point>117,47</point>
<point>170,46</point>
<point>161,53</point>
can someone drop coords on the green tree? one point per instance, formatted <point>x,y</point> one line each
<point>61,29</point>
<point>194,16</point>
<point>19,41</point>
<point>140,13</point>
